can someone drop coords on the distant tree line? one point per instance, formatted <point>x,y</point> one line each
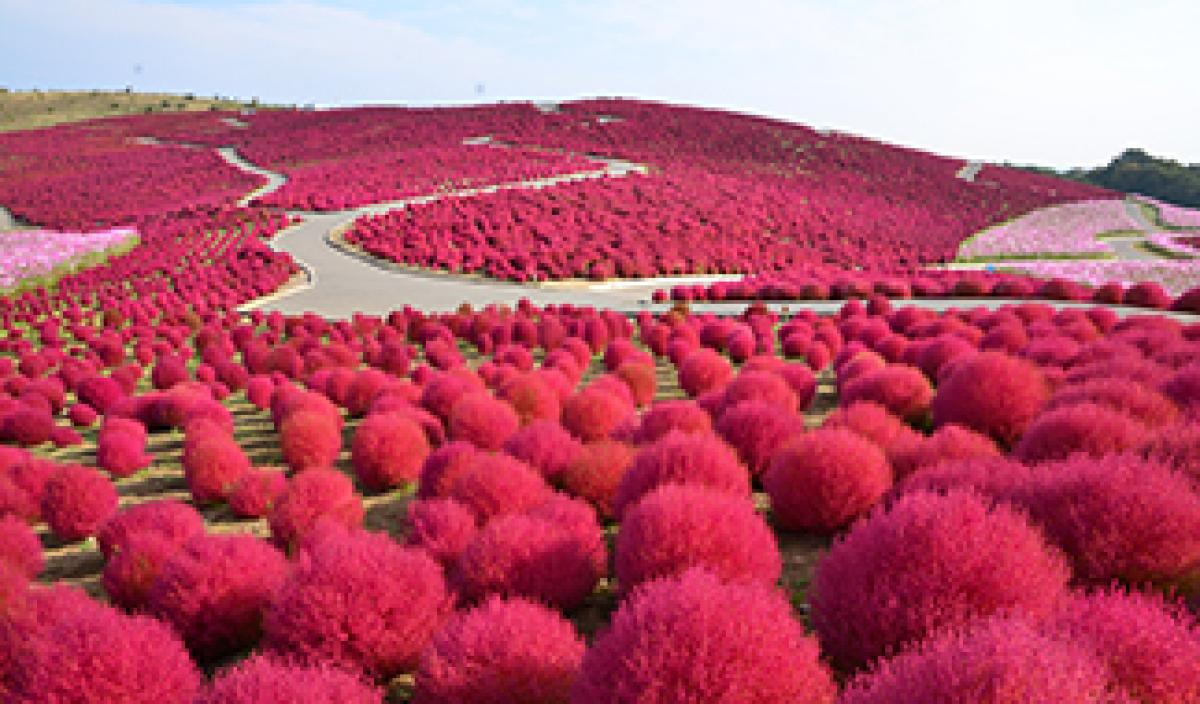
<point>1135,171</point>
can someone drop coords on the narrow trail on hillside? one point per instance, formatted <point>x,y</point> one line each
<point>970,170</point>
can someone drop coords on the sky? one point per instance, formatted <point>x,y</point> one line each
<point>1053,82</point>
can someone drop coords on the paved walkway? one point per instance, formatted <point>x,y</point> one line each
<point>970,170</point>
<point>8,221</point>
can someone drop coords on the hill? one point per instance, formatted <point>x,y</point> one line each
<point>1136,171</point>
<point>22,110</point>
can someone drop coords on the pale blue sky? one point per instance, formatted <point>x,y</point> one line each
<point>1058,82</point>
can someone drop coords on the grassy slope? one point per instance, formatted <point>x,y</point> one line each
<point>22,110</point>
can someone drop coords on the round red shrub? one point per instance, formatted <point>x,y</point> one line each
<point>388,451</point>
<point>993,394</point>
<point>82,415</point>
<point>310,440</point>
<point>442,468</point>
<point>995,660</point>
<point>312,496</point>
<point>444,389</point>
<point>927,563</point>
<point>596,472</point>
<point>824,479</point>
<point>213,463</point>
<point>873,422</point>
<point>1175,446</point>
<point>121,447</point>
<point>997,477</point>
<point>1150,647</point>
<point>20,548</point>
<point>1120,518</point>
<point>594,413</point>
<point>505,651</point>
<point>360,601</point>
<point>171,520</point>
<point>545,446</point>
<point>694,638</point>
<point>257,492</point>
<point>704,370</point>
<point>949,442</point>
<point>677,527</point>
<point>214,589</point>
<point>532,397</point>
<point>77,501</point>
<point>1084,427</point>
<point>765,387</point>
<point>443,527</point>
<point>496,484</point>
<point>642,380</point>
<point>1135,400</point>
<point>682,416</point>
<point>903,390</point>
<point>130,573</point>
<point>482,420</point>
<point>534,557</point>
<point>267,680</point>
<point>96,655</point>
<point>1184,388</point>
<point>682,459</point>
<point>757,429</point>
<point>27,426</point>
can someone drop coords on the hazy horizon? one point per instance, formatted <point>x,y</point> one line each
<point>1058,83</point>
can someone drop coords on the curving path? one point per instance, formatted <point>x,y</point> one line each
<point>970,170</point>
<point>8,221</point>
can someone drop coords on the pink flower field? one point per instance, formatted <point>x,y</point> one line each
<point>1068,230</point>
<point>26,254</point>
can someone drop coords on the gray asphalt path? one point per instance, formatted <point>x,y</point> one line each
<point>7,220</point>
<point>970,170</point>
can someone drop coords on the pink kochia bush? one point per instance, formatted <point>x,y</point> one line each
<point>442,467</point>
<point>131,572</point>
<point>212,464</point>
<point>173,521</point>
<point>495,484</point>
<point>682,459</point>
<point>824,479</point>
<point>265,680</point>
<point>1120,518</point>
<point>121,447</point>
<point>544,445</point>
<point>482,420</point>
<point>756,429</point>
<point>510,651</point>
<point>554,555</point>
<point>993,394</point>
<point>359,601</point>
<point>77,501</point>
<point>310,439</point>
<point>704,370</point>
<point>443,527</point>
<point>257,492</point>
<point>594,413</point>
<point>1085,427</point>
<point>596,472</point>
<point>19,547</point>
<point>313,496</point>
<point>902,390</point>
<point>387,451</point>
<point>676,527</point>
<point>695,638</point>
<point>993,660</point>
<point>81,651</point>
<point>684,416</point>
<point>214,589</point>
<point>949,442</point>
<point>927,563</point>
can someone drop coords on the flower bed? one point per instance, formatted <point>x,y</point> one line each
<point>1068,230</point>
<point>40,254</point>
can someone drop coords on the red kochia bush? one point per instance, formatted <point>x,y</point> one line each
<point>757,429</point>
<point>76,501</point>
<point>212,464</point>
<point>265,680</point>
<point>20,547</point>
<point>130,573</point>
<point>694,638</point>
<point>1087,428</point>
<point>214,589</point>
<point>121,447</point>
<point>824,479</point>
<point>873,422</point>
<point>482,420</point>
<point>510,651</point>
<point>360,601</point>
<point>593,414</point>
<point>494,484</point>
<point>596,472</point>
<point>704,370</point>
<point>173,521</point>
<point>929,562</point>
<point>310,440</point>
<point>663,417</point>
<point>998,478</point>
<point>442,467</point>
<point>765,387</point>
<point>682,459</point>
<point>387,451</point>
<point>257,492</point>
<point>1135,400</point>
<point>312,496</point>
<point>1177,447</point>
<point>1151,648</point>
<point>902,390</point>
<point>991,393</point>
<point>443,527</point>
<point>545,446</point>
<point>96,655</point>
<point>677,527</point>
<point>1120,518</point>
<point>532,396</point>
<point>995,660</point>
<point>949,442</point>
<point>532,556</point>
